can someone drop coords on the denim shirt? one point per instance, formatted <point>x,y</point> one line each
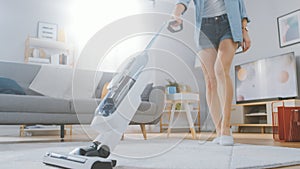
<point>236,12</point>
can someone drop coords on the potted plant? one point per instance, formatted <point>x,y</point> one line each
<point>172,87</point>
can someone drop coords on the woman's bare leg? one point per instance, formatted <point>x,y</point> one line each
<point>222,66</point>
<point>208,59</point>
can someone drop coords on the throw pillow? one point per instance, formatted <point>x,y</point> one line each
<point>9,86</point>
<point>146,93</point>
<point>53,81</point>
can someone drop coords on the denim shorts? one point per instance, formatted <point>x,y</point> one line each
<point>213,31</point>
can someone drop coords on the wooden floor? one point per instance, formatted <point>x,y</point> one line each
<point>262,139</point>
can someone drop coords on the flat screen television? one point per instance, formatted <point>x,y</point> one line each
<point>265,79</point>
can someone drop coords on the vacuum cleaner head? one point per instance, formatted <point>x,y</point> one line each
<point>77,161</point>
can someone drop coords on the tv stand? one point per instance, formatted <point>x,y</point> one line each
<point>261,126</point>
<point>257,114</point>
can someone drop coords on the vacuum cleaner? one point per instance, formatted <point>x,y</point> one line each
<point>112,115</point>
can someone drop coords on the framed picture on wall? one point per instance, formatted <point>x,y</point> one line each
<point>289,28</point>
<point>47,31</point>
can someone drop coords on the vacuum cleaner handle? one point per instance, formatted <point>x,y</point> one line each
<point>173,28</point>
<point>170,27</point>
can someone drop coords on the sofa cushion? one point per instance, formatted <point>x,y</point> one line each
<point>84,106</point>
<point>25,103</point>
<point>9,86</point>
<point>17,118</point>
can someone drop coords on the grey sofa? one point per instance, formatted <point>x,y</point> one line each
<point>34,108</point>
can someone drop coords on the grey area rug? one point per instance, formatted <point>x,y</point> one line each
<point>160,154</point>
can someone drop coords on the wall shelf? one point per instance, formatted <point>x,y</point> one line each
<point>51,44</point>
<point>59,53</point>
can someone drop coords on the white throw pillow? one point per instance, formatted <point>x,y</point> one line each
<point>65,82</point>
<point>53,81</point>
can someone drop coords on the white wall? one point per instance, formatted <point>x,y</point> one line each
<point>79,19</point>
<point>19,19</point>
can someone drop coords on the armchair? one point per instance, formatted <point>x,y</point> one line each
<point>150,111</point>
